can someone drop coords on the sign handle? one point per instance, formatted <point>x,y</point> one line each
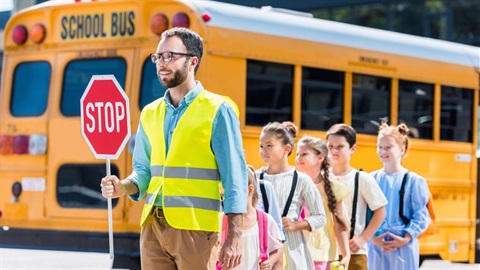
<point>110,221</point>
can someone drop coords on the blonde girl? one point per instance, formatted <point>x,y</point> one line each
<point>251,254</point>
<point>276,144</point>
<point>395,244</point>
<point>312,158</point>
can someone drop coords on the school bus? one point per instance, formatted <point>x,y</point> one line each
<point>275,64</point>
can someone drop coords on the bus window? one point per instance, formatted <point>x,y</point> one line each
<point>150,87</point>
<point>370,102</point>
<point>78,74</point>
<point>269,92</point>
<point>456,114</point>
<point>30,89</point>
<point>322,98</point>
<point>78,185</point>
<point>415,108</point>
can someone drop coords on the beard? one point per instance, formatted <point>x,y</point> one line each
<point>178,77</point>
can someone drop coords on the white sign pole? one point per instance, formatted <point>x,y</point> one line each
<point>105,91</point>
<point>110,220</point>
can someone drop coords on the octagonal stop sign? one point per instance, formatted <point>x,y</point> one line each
<point>105,116</point>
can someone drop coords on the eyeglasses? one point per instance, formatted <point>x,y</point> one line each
<point>166,56</point>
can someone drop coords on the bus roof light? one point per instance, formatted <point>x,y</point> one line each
<point>19,34</point>
<point>158,24</point>
<point>6,144</point>
<point>37,144</point>
<point>38,33</point>
<point>206,17</point>
<point>20,144</point>
<point>181,20</point>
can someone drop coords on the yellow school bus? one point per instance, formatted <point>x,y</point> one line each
<point>276,64</point>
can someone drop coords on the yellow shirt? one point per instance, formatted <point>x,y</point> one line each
<point>322,242</point>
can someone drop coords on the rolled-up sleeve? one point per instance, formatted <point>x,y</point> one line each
<point>228,149</point>
<point>418,207</point>
<point>141,164</point>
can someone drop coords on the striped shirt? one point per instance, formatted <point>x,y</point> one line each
<point>295,248</point>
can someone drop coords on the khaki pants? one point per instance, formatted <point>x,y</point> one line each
<point>357,262</point>
<point>164,247</point>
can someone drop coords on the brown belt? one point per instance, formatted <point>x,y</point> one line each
<point>158,212</point>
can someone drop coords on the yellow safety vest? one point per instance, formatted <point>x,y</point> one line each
<point>188,177</point>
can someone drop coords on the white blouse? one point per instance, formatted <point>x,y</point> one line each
<point>251,244</point>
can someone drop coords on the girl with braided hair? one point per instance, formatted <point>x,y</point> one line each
<point>312,158</point>
<point>395,244</point>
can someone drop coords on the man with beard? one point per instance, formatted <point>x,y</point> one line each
<point>186,143</point>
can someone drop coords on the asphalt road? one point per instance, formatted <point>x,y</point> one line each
<point>27,259</point>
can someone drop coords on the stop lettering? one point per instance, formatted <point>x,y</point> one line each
<point>108,115</point>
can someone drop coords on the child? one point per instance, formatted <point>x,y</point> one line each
<point>276,144</point>
<point>341,144</point>
<point>251,244</point>
<point>312,158</point>
<point>395,245</point>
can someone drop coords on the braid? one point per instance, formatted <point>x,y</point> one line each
<point>332,201</point>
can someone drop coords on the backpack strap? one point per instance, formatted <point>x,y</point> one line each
<point>402,193</point>
<point>290,196</point>
<point>264,194</point>
<point>263,234</point>
<point>224,228</point>
<point>353,219</point>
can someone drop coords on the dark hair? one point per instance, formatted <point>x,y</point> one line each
<point>285,132</point>
<point>319,146</point>
<point>399,133</point>
<point>192,41</point>
<point>345,131</point>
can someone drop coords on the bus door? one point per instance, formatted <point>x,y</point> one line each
<point>74,173</point>
<point>477,236</point>
<point>23,136</point>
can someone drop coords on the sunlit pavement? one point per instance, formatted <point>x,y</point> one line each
<point>438,264</point>
<point>16,259</point>
<point>23,259</point>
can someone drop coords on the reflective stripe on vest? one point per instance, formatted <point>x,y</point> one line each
<point>187,204</point>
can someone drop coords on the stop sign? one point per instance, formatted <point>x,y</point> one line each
<point>105,116</point>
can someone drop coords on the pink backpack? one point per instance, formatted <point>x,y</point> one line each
<point>262,232</point>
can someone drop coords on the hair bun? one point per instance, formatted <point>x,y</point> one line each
<point>403,129</point>
<point>291,128</point>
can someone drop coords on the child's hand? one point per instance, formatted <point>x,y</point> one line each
<point>356,243</point>
<point>266,265</point>
<point>288,225</point>
<point>397,242</point>
<point>345,261</point>
<point>378,240</point>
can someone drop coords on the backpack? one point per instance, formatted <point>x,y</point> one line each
<point>431,227</point>
<point>262,234</point>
